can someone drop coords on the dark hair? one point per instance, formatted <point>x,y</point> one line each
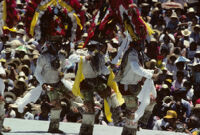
<point>180,73</point>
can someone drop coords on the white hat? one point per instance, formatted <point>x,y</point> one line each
<point>182,59</point>
<point>186,32</point>
<point>174,15</point>
<point>191,10</point>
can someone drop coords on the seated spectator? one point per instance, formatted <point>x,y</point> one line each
<point>167,123</point>
<point>178,83</point>
<point>181,106</point>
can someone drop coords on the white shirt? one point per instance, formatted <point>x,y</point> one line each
<point>190,94</point>
<point>134,72</point>
<point>159,124</point>
<point>89,72</point>
<point>44,72</point>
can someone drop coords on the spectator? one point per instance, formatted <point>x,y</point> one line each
<point>168,123</point>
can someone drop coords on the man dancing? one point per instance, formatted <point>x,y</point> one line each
<point>48,73</point>
<point>131,77</point>
<point>96,75</point>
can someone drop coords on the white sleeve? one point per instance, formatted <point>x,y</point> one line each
<point>2,70</point>
<point>38,70</point>
<point>74,58</point>
<point>139,70</point>
<point>156,127</point>
<point>121,50</point>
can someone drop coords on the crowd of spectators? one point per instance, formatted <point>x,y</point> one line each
<point>174,48</point>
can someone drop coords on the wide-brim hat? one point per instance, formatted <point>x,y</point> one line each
<point>35,52</point>
<point>182,59</point>
<point>152,61</point>
<point>171,114</point>
<point>21,74</point>
<point>26,58</point>
<point>191,10</point>
<point>35,57</point>
<point>168,98</point>
<point>22,80</point>
<point>172,55</point>
<point>22,67</point>
<point>197,26</point>
<point>9,97</point>
<point>186,32</point>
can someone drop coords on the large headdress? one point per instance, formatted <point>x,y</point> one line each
<point>8,14</point>
<point>123,13</point>
<point>46,18</point>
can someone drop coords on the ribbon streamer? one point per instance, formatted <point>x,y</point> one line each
<point>4,11</point>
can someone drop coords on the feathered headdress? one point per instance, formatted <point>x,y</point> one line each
<point>8,14</point>
<point>118,12</point>
<point>46,18</point>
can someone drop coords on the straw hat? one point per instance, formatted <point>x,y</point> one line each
<point>174,15</point>
<point>155,10</point>
<point>168,98</point>
<point>171,114</point>
<point>172,55</point>
<point>197,26</point>
<point>21,74</point>
<point>9,97</point>
<point>35,52</point>
<point>26,58</point>
<point>186,32</point>
<point>151,62</point>
<point>24,68</point>
<point>35,57</point>
<point>20,80</point>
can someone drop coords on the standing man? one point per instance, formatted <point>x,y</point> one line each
<point>96,75</point>
<point>131,77</point>
<point>48,73</point>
